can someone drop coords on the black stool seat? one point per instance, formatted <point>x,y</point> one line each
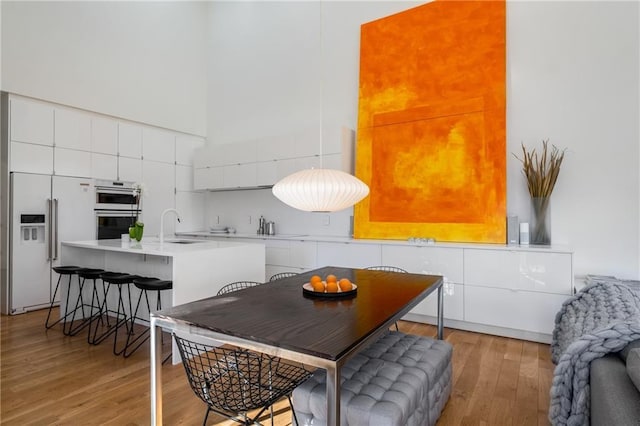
<point>152,284</point>
<point>67,270</point>
<point>90,273</point>
<point>118,278</point>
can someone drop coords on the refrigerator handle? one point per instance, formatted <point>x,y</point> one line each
<point>49,230</point>
<point>55,247</point>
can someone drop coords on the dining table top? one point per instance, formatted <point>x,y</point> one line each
<point>278,314</point>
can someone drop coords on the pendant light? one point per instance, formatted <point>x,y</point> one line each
<point>320,190</point>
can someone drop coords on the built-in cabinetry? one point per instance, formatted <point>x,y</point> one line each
<point>506,290</point>
<point>52,139</point>
<point>262,162</point>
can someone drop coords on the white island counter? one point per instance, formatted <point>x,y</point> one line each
<point>198,268</point>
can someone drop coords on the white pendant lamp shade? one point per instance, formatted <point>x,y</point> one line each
<point>320,190</point>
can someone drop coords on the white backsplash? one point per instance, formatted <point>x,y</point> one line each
<point>234,208</point>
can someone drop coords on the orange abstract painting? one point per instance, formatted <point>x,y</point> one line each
<point>431,124</point>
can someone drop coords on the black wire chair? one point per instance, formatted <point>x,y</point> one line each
<point>386,268</point>
<point>233,382</point>
<point>282,275</point>
<point>238,285</point>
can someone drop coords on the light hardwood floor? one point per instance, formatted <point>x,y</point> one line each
<point>49,379</point>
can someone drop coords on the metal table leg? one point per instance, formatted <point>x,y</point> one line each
<point>440,313</point>
<point>333,396</point>
<point>156,373</point>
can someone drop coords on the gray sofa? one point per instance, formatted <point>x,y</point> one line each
<point>615,388</point>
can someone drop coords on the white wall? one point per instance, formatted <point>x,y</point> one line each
<point>143,61</point>
<point>572,71</point>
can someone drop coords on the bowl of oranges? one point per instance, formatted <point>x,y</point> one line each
<point>330,287</point>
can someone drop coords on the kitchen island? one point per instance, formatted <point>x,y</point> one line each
<point>198,268</point>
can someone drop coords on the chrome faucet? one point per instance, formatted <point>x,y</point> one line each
<point>162,222</point>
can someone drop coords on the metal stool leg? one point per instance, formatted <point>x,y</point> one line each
<point>55,292</point>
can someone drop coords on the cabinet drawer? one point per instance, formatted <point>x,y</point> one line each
<point>453,303</point>
<point>348,255</point>
<point>426,260</point>
<point>521,310</point>
<point>519,270</point>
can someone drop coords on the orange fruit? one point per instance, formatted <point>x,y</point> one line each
<point>315,279</point>
<point>332,278</point>
<point>332,287</point>
<point>318,286</point>
<point>345,284</point>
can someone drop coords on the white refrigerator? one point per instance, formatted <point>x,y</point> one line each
<point>45,210</point>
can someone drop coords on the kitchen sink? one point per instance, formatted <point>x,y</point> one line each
<point>185,241</point>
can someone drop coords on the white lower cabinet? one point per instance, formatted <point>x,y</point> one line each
<point>453,303</point>
<point>349,255</point>
<point>521,310</point>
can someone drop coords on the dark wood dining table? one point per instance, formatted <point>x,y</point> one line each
<point>278,319</point>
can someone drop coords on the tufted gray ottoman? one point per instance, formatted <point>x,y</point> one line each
<point>399,380</point>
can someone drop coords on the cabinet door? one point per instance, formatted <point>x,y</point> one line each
<point>186,148</point>
<point>548,272</point>
<point>520,310</point>
<point>104,136</point>
<point>303,254</point>
<point>266,173</point>
<point>70,162</point>
<point>129,140</point>
<point>349,255</point>
<point>184,178</point>
<point>239,175</point>
<point>159,180</point>
<point>453,303</point>
<point>72,129</point>
<point>31,122</point>
<point>129,169</point>
<point>104,166</point>
<point>158,145</point>
<point>30,158</point>
<point>277,252</point>
<point>426,260</point>
<point>207,178</point>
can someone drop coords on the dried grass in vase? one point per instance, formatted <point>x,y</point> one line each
<point>541,172</point>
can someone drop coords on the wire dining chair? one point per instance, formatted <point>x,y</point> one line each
<point>282,275</point>
<point>237,285</point>
<point>233,382</point>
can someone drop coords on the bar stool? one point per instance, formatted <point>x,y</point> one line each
<point>119,280</point>
<point>83,275</point>
<point>68,271</point>
<point>145,285</point>
<point>92,274</point>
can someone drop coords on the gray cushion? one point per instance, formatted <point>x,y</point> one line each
<point>633,367</point>
<point>624,353</point>
<point>614,398</point>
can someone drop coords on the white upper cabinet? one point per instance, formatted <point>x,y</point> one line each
<point>104,166</point>
<point>104,135</point>
<point>184,178</point>
<point>31,122</point>
<point>72,129</point>
<point>186,148</point>
<point>72,162</point>
<point>129,169</point>
<point>158,145</point>
<point>31,158</point>
<point>129,140</point>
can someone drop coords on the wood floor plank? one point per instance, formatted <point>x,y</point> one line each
<point>47,378</point>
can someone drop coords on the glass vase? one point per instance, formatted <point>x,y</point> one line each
<point>132,232</point>
<point>540,221</point>
<point>139,229</point>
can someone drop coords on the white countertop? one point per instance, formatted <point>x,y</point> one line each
<point>171,246</point>
<point>343,239</point>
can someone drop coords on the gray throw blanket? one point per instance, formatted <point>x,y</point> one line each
<point>602,318</point>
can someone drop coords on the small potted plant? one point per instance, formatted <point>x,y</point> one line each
<point>541,172</point>
<point>137,228</point>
